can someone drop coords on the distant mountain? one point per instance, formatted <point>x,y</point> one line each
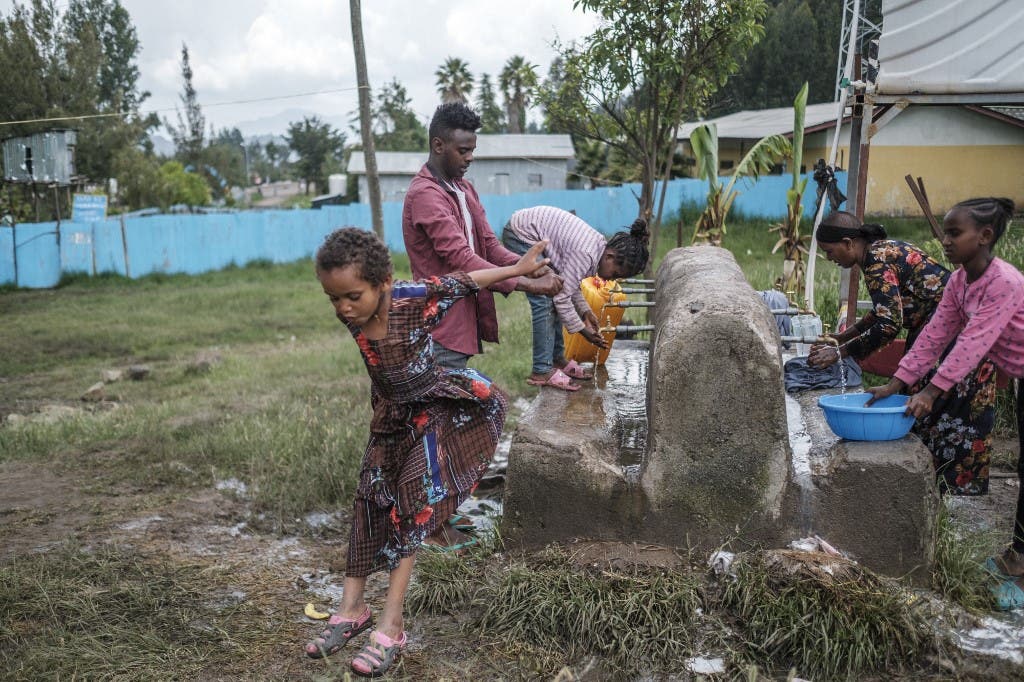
<point>278,123</point>
<point>161,145</point>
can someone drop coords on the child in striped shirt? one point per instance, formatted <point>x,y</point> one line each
<point>577,251</point>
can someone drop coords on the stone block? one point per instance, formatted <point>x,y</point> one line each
<point>565,479</point>
<point>876,500</point>
<point>717,461</point>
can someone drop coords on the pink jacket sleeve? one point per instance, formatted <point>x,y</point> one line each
<point>995,311</point>
<point>936,335</point>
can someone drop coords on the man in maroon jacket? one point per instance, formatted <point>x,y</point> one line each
<point>445,229</point>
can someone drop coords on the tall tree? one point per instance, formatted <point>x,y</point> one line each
<point>647,65</point>
<point>517,81</point>
<point>397,128</point>
<point>492,119</point>
<point>454,81</point>
<point>118,73</point>
<point>188,134</point>
<point>801,43</point>
<point>365,123</point>
<point>56,64</point>
<point>317,144</point>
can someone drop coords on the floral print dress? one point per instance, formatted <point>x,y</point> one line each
<point>906,285</point>
<point>433,431</point>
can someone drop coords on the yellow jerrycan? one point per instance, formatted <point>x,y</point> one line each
<point>596,292</point>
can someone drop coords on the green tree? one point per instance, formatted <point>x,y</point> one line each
<point>179,186</point>
<point>648,65</point>
<point>492,120</point>
<point>517,81</point>
<point>397,128</point>
<point>454,81</point>
<point>794,244</point>
<point>118,73</point>
<point>54,65</point>
<point>189,133</point>
<point>317,145</point>
<point>801,43</point>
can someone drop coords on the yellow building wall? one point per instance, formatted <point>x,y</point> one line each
<point>950,174</point>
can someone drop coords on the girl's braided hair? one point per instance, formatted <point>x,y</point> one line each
<point>631,247</point>
<point>352,246</point>
<point>993,211</point>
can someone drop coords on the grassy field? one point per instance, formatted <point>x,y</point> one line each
<point>133,524</point>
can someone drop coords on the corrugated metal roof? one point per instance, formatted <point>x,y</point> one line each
<point>524,146</point>
<point>951,47</point>
<point>487,147</point>
<point>389,163</point>
<point>757,123</point>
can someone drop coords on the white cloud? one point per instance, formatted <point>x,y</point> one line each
<point>267,48</point>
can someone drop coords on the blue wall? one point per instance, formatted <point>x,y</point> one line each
<point>35,256</point>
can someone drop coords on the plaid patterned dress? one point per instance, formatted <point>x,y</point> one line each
<point>433,432</point>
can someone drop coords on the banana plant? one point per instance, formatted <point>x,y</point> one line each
<point>793,243</point>
<point>710,227</point>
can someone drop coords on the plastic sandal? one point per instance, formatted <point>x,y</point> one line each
<point>377,657</point>
<point>339,631</point>
<point>456,548</point>
<point>557,379</point>
<point>462,523</point>
<point>1008,595</point>
<point>574,370</point>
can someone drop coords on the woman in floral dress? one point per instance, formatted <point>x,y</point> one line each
<point>432,434</point>
<point>905,285</point>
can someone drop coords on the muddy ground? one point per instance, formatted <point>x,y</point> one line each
<point>43,507</point>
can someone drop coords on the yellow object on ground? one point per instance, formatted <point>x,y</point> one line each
<point>596,292</point>
<point>311,612</point>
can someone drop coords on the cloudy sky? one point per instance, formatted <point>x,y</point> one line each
<point>273,48</point>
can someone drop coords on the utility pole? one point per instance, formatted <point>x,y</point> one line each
<point>372,179</point>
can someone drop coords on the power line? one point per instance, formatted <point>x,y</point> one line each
<point>164,110</point>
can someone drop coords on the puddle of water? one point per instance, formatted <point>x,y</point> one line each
<point>234,485</point>
<point>626,381</point>
<point>999,635</point>
<point>140,523</point>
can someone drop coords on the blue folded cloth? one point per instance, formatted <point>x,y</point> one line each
<point>799,376</point>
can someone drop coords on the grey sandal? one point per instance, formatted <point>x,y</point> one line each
<point>377,657</point>
<point>339,631</point>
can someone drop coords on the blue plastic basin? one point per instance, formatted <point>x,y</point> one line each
<point>848,418</point>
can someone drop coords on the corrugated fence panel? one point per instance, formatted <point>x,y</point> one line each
<point>38,255</point>
<point>108,246</point>
<point>200,243</point>
<point>76,247</point>
<point>7,275</point>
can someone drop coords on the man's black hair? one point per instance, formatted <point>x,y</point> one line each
<point>452,116</point>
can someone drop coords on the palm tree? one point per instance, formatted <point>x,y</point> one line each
<point>517,81</point>
<point>454,81</point>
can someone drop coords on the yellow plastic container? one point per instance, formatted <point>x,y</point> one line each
<point>596,292</point>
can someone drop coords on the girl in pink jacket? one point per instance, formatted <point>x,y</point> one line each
<point>982,308</point>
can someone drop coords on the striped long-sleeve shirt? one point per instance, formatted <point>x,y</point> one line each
<point>574,248</point>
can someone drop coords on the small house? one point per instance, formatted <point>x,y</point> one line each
<point>502,164</point>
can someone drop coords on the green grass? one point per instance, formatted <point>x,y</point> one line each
<point>838,621</point>
<point>543,612</point>
<point>111,613</point>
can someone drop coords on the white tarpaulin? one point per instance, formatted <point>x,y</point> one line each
<point>951,47</point>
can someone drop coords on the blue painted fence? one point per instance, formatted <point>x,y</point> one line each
<point>34,255</point>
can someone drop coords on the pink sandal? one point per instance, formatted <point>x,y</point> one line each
<point>377,657</point>
<point>574,370</point>
<point>557,379</point>
<point>339,631</point>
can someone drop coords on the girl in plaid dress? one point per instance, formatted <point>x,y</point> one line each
<point>432,434</point>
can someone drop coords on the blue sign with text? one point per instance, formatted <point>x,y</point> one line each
<point>89,208</point>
